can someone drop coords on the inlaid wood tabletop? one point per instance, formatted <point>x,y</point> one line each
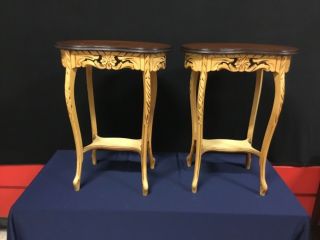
<point>238,48</point>
<point>114,46</point>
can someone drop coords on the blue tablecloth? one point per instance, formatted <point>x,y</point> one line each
<point>110,204</point>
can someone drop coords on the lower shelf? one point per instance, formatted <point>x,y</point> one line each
<point>115,144</point>
<point>228,145</point>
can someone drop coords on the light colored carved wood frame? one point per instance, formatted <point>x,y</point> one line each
<point>200,65</point>
<point>149,64</point>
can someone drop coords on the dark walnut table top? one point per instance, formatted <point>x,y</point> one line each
<point>113,46</point>
<point>238,48</point>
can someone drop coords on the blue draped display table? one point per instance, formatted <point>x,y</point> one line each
<point>110,205</point>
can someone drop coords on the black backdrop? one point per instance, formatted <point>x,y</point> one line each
<point>34,121</point>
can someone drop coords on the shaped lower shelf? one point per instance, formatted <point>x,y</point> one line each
<point>116,144</point>
<point>228,145</point>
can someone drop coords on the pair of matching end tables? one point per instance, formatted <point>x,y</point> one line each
<point>201,58</point>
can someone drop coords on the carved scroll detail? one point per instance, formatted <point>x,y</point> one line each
<point>158,61</point>
<point>66,59</point>
<point>111,60</point>
<point>108,60</point>
<point>239,63</point>
<point>202,89</point>
<point>147,88</point>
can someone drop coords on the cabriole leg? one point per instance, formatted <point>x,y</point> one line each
<point>254,110</point>
<point>154,86</point>
<point>72,111</point>
<point>145,125</point>
<point>200,107</point>
<point>279,83</point>
<point>193,105</point>
<point>92,110</point>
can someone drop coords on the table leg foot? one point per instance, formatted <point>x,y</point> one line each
<point>190,155</point>
<point>263,181</point>
<point>94,157</point>
<point>263,189</point>
<point>189,161</point>
<point>196,172</point>
<point>194,187</point>
<point>76,184</point>
<point>145,185</point>
<point>248,161</point>
<point>196,169</point>
<point>152,163</point>
<point>145,189</point>
<point>150,155</point>
<point>145,192</point>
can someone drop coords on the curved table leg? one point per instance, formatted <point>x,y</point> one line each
<point>145,125</point>
<point>279,83</point>
<point>154,83</point>
<point>193,105</point>
<point>200,107</point>
<point>92,110</point>
<point>254,110</point>
<point>72,111</point>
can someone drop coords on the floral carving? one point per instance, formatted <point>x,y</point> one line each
<point>242,63</point>
<point>239,63</point>
<point>112,60</point>
<point>108,61</point>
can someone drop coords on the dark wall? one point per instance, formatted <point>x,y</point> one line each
<point>34,121</point>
